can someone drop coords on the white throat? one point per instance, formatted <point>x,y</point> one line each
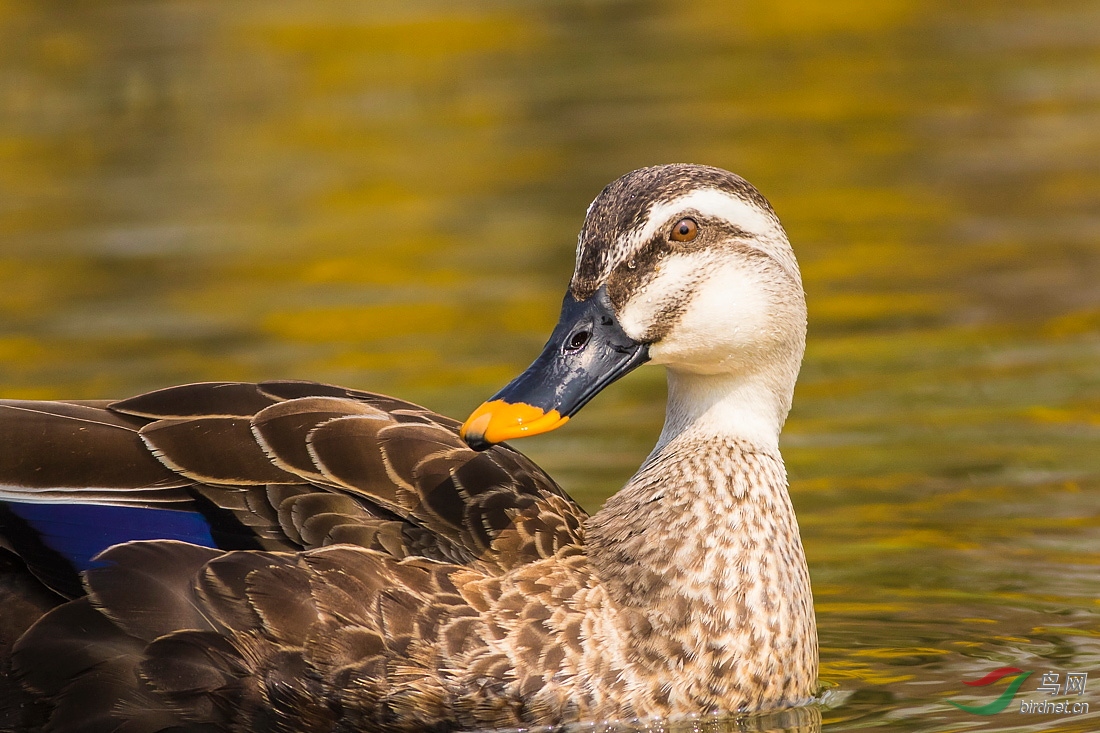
<point>701,407</point>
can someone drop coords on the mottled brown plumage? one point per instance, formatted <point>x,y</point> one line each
<point>375,573</point>
<point>311,466</point>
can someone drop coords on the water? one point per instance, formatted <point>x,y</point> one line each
<point>386,196</point>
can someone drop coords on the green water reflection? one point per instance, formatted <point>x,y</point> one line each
<point>386,196</point>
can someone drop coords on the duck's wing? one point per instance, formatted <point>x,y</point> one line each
<point>274,465</point>
<point>74,477</point>
<point>175,637</point>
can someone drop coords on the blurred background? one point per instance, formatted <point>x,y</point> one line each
<point>386,195</point>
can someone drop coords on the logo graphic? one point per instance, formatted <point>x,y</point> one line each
<point>1018,677</point>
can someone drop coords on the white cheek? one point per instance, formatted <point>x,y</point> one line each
<point>676,277</point>
<point>723,325</point>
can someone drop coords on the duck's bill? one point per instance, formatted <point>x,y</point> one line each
<point>587,351</point>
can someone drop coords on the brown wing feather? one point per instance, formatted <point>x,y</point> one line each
<point>283,429</point>
<point>155,597</point>
<point>213,450</point>
<point>248,449</point>
<point>480,503</point>
<point>177,635</point>
<point>339,638</point>
<point>53,446</point>
<point>78,641</point>
<point>84,674</point>
<point>400,462</point>
<point>202,399</point>
<point>292,390</point>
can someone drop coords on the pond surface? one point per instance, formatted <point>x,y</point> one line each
<point>386,195</point>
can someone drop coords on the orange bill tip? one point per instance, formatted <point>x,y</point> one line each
<point>498,421</point>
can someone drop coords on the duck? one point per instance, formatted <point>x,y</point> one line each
<point>295,556</point>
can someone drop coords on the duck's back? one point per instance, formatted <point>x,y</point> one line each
<point>237,599</point>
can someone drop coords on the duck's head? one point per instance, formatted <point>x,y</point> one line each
<point>681,265</point>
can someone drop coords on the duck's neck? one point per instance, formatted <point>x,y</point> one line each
<point>703,547</point>
<point>748,408</point>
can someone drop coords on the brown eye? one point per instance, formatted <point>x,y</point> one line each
<point>685,230</point>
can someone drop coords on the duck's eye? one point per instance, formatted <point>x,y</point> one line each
<point>685,230</point>
<point>578,340</point>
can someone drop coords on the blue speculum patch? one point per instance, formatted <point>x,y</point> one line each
<point>79,532</point>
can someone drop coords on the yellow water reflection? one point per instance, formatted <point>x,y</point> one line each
<point>386,195</point>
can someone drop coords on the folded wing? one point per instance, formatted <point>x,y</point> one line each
<point>274,466</point>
